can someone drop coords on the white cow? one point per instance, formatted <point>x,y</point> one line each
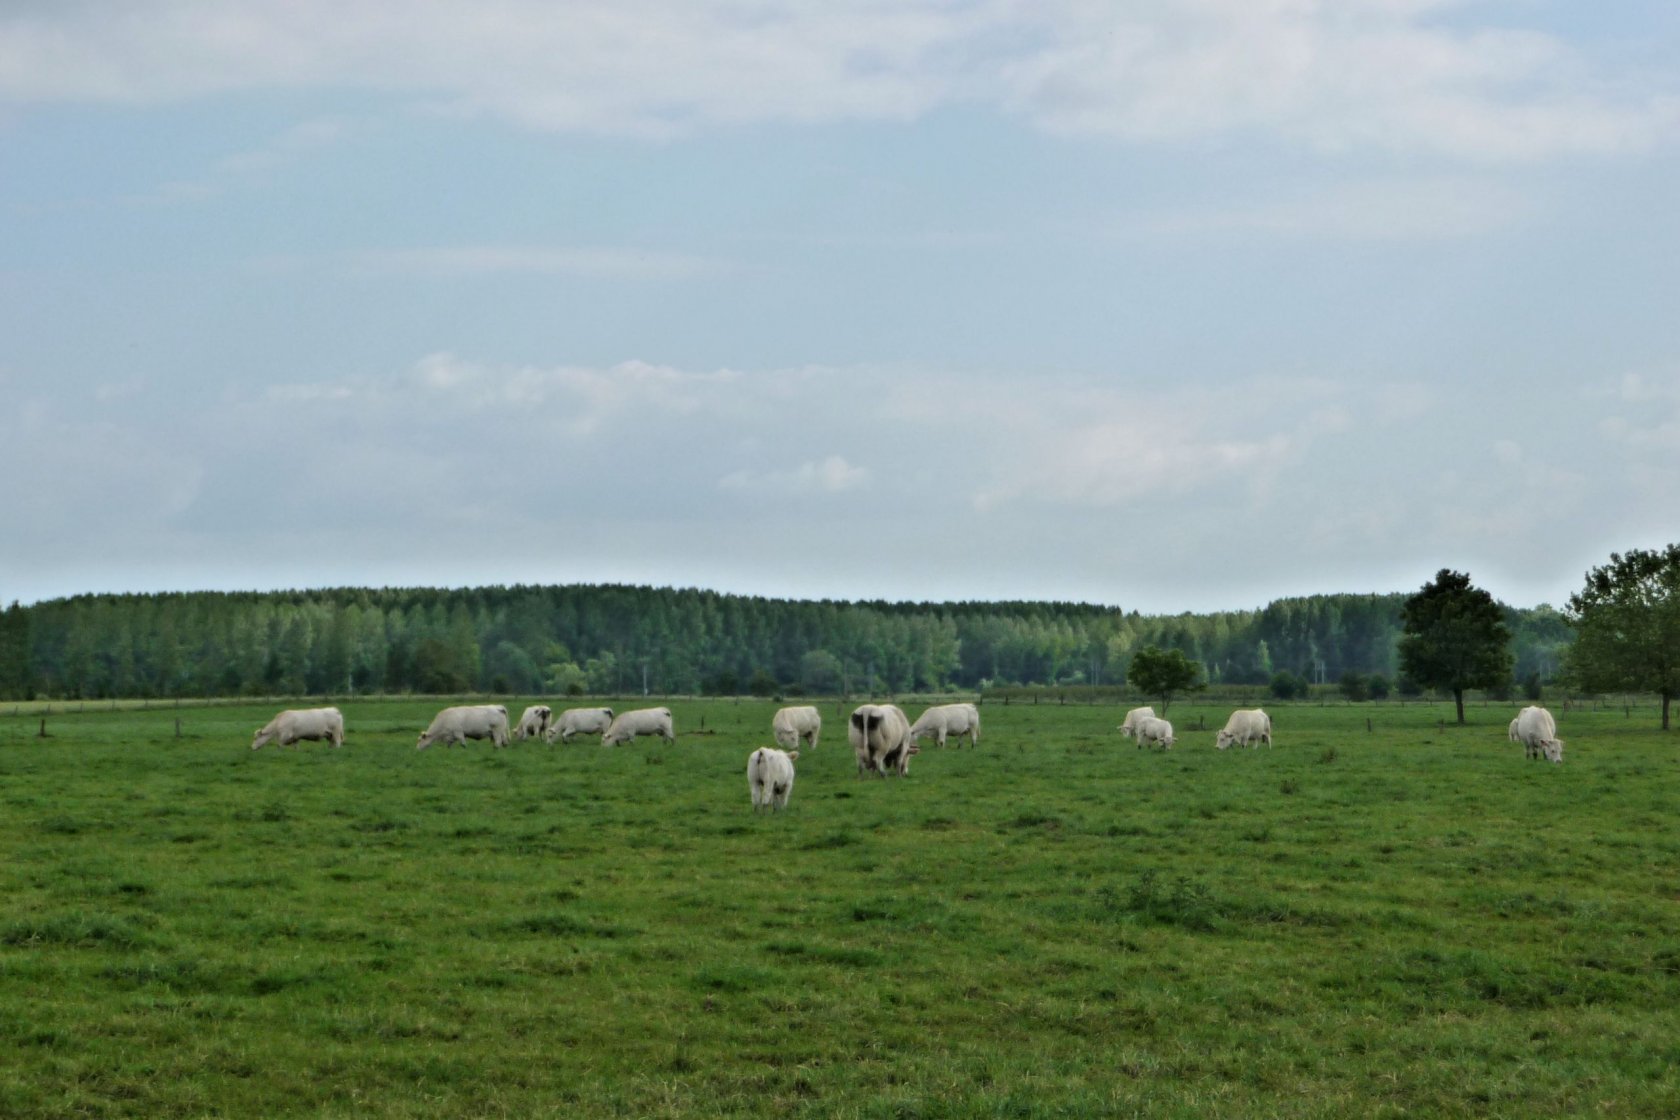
<point>534,723</point>
<point>1247,727</point>
<point>642,721</point>
<point>467,721</point>
<point>880,738</point>
<point>793,727</point>
<point>1537,731</point>
<point>1133,717</point>
<point>1512,733</point>
<point>302,723</point>
<point>770,777</point>
<point>1155,732</point>
<point>579,721</point>
<point>948,719</point>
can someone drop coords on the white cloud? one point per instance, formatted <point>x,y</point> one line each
<point>299,140</point>
<point>440,389</point>
<point>1356,74</point>
<point>1080,486</point>
<point>831,475</point>
<point>291,145</point>
<point>485,260</point>
<point>1107,448</point>
<point>1425,208</point>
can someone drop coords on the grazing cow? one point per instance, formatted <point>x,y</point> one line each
<point>1537,732</point>
<point>1155,732</point>
<point>302,723</point>
<point>467,721</point>
<point>579,721</point>
<point>642,721</point>
<point>1247,727</point>
<point>534,723</point>
<point>1132,719</point>
<point>794,727</point>
<point>770,777</point>
<point>948,719</point>
<point>1512,733</point>
<point>880,738</point>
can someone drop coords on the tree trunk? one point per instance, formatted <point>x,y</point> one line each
<point>1458,696</point>
<point>1665,697</point>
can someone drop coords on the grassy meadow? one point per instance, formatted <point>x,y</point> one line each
<point>1394,920</point>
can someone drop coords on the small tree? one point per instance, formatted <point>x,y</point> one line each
<point>1627,626</point>
<point>1355,686</point>
<point>1378,686</point>
<point>1287,686</point>
<point>1454,637</point>
<point>1164,674</point>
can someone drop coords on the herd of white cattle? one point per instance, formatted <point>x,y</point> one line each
<point>882,737</point>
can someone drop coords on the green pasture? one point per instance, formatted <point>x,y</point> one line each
<point>1394,919</point>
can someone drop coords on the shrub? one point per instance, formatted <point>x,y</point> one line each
<point>1287,686</point>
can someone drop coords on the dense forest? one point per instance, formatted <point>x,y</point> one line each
<point>622,639</point>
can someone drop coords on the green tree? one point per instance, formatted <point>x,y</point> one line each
<point>1454,637</point>
<point>1627,626</point>
<point>440,667</point>
<point>1288,686</point>
<point>1163,674</point>
<point>1355,686</point>
<point>820,672</point>
<point>15,682</point>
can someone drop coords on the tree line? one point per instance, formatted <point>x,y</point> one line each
<point>1626,622</point>
<point>573,639</point>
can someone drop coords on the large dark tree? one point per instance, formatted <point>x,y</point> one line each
<point>1453,637</point>
<point>1627,626</point>
<point>1163,674</point>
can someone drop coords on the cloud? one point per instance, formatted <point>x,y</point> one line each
<point>289,146</point>
<point>1116,488</point>
<point>1357,74</point>
<point>443,390</point>
<point>489,260</point>
<point>1106,449</point>
<point>1410,209</point>
<point>831,475</point>
<point>299,140</point>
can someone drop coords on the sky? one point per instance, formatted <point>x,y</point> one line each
<point>1174,305</point>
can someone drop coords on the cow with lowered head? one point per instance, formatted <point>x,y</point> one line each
<point>770,777</point>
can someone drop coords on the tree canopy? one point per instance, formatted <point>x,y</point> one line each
<point>1454,637</point>
<point>1627,625</point>
<point>1163,674</point>
<point>608,638</point>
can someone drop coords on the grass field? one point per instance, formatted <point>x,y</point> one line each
<point>1402,921</point>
